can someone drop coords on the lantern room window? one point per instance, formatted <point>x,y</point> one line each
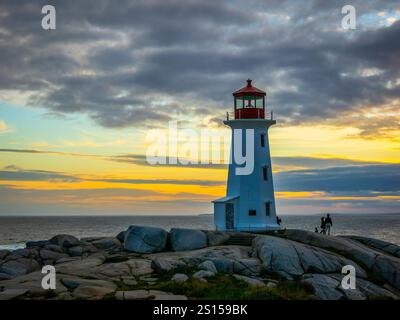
<point>249,102</point>
<point>239,103</point>
<point>259,102</point>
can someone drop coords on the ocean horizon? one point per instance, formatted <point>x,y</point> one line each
<point>15,231</point>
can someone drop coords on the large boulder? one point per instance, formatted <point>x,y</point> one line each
<point>384,265</point>
<point>19,266</point>
<point>226,259</point>
<point>10,294</point>
<point>384,246</point>
<point>187,239</point>
<point>80,267</point>
<point>163,264</point>
<point>208,266</point>
<point>31,253</point>
<point>38,243</point>
<point>145,239</point>
<point>348,247</point>
<point>82,250</point>
<point>20,253</point>
<point>51,255</point>
<point>328,287</point>
<point>65,241</point>
<point>4,254</point>
<point>216,238</point>
<point>5,276</point>
<point>223,264</point>
<point>291,259</point>
<point>109,243</point>
<point>121,236</point>
<point>247,266</point>
<point>32,282</point>
<point>53,247</point>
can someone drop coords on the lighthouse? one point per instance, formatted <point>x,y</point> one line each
<point>249,204</point>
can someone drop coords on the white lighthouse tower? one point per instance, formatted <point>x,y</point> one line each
<point>249,204</point>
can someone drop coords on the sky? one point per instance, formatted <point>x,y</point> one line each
<point>77,103</point>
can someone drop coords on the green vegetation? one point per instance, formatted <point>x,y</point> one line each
<point>226,287</point>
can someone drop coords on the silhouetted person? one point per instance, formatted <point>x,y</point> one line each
<point>278,220</point>
<point>316,230</point>
<point>328,223</point>
<point>323,225</point>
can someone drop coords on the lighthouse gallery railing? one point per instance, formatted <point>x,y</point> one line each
<point>231,116</point>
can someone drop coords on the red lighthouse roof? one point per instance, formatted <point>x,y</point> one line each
<point>249,90</point>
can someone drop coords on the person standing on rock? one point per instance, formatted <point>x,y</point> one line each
<point>328,223</point>
<point>323,225</point>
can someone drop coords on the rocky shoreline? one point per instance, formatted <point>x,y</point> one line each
<point>144,263</point>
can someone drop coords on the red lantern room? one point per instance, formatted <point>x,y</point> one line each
<point>249,102</point>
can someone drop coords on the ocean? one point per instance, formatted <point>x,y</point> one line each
<point>15,231</point>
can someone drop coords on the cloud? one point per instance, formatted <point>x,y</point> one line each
<point>280,163</point>
<point>141,160</point>
<point>135,63</point>
<point>372,178</point>
<point>14,173</point>
<point>165,181</point>
<point>285,163</point>
<point>24,151</point>
<point>49,152</point>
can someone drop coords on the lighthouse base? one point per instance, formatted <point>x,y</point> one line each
<point>228,217</point>
<point>252,228</point>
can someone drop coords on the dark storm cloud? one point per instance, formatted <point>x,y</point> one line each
<point>374,178</point>
<point>119,61</point>
<point>141,160</point>
<point>14,173</point>
<point>316,163</point>
<point>17,174</point>
<point>165,181</point>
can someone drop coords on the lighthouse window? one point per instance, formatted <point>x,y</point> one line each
<point>252,212</point>
<point>239,103</point>
<point>265,173</point>
<point>262,140</point>
<point>267,208</point>
<point>259,102</point>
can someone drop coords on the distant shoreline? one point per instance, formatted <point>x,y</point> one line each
<point>191,215</point>
<point>16,230</point>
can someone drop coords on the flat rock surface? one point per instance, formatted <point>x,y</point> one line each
<point>291,259</point>
<point>385,265</point>
<point>100,268</point>
<point>328,287</point>
<point>10,294</point>
<point>384,246</point>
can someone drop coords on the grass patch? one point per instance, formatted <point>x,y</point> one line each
<point>226,287</point>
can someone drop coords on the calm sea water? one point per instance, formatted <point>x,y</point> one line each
<point>15,231</point>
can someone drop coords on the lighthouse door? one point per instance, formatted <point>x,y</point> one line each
<point>229,216</point>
